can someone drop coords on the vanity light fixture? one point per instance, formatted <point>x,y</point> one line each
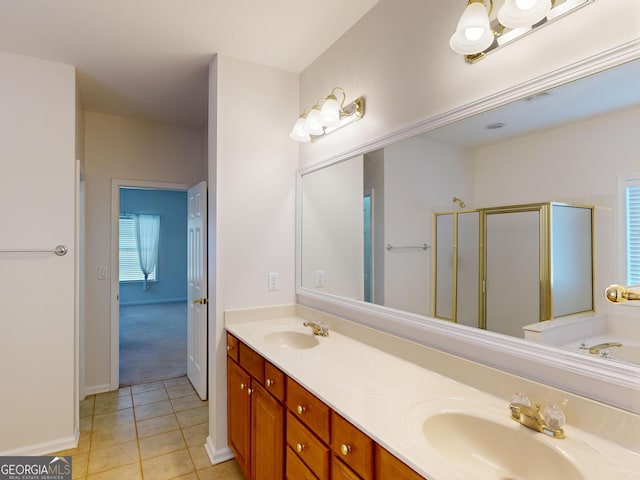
<point>477,33</point>
<point>326,116</point>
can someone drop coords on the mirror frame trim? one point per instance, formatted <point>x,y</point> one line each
<point>612,383</point>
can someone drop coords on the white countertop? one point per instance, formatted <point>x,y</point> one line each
<point>388,398</point>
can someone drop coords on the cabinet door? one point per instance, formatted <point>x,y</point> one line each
<point>239,414</point>
<point>267,435</point>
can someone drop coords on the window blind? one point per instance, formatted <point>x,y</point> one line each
<point>633,233</point>
<point>129,265</point>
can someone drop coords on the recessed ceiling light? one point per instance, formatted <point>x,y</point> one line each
<point>494,126</point>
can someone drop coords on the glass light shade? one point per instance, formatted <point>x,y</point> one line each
<point>313,124</point>
<point>523,13</point>
<point>299,133</point>
<point>330,112</point>
<point>473,33</point>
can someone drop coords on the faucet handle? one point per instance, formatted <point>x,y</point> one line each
<point>521,398</point>
<point>554,416</point>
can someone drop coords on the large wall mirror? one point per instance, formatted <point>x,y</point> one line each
<point>411,226</point>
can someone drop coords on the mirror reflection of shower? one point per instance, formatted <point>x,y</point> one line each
<point>459,202</point>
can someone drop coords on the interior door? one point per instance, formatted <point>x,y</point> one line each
<point>197,288</point>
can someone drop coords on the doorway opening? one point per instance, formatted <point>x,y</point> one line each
<point>152,278</point>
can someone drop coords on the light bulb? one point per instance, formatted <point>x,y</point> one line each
<point>313,124</point>
<point>523,13</point>
<point>473,33</point>
<point>330,112</point>
<point>299,133</point>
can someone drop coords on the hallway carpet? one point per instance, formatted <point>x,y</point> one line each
<point>153,342</point>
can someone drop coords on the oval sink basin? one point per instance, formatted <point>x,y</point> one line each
<point>293,340</point>
<point>493,451</point>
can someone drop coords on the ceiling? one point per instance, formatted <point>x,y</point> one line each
<point>149,58</point>
<point>608,91</point>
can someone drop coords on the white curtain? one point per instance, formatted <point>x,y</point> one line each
<point>147,238</point>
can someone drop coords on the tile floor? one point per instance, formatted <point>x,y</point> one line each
<point>151,431</point>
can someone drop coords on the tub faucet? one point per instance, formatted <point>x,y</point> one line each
<point>318,328</point>
<point>619,294</point>
<point>549,422</point>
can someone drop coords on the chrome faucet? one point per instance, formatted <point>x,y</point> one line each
<point>318,328</point>
<point>549,422</point>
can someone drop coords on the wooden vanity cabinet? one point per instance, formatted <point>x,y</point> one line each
<point>278,429</point>
<point>388,467</point>
<point>255,416</point>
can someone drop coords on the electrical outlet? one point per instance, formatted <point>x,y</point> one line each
<point>319,278</point>
<point>102,273</point>
<point>274,281</point>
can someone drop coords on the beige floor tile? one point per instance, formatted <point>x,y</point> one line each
<point>153,410</point>
<point>79,464</point>
<point>152,396</point>
<point>195,416</point>
<point>188,476</point>
<point>155,425</point>
<point>200,457</point>
<point>86,406</point>
<point>128,472</point>
<point>196,435</point>
<point>112,403</point>
<point>186,403</point>
<point>180,390</point>
<point>161,444</point>
<point>110,457</point>
<point>222,471</point>
<point>145,387</point>
<point>172,382</point>
<point>120,433</point>
<point>86,423</point>
<point>168,466</point>
<point>108,420</point>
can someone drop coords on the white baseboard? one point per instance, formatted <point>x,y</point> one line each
<point>45,448</point>
<point>94,389</point>
<point>217,455</point>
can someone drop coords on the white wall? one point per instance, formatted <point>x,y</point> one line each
<point>421,177</point>
<point>332,229</point>
<point>37,208</point>
<point>398,57</point>
<point>123,148</point>
<point>579,163</point>
<point>252,163</point>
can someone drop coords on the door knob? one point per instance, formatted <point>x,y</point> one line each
<point>202,301</point>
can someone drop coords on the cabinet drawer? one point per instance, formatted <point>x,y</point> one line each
<point>311,411</point>
<point>274,381</point>
<point>352,446</point>
<point>296,470</point>
<point>308,447</point>
<point>251,362</point>
<point>339,471</point>
<point>389,467</point>
<point>232,347</point>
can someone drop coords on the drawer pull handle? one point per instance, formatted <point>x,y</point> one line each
<point>301,409</point>
<point>228,348</point>
<point>249,391</point>
<point>300,447</point>
<point>270,382</point>
<point>243,386</point>
<point>345,449</point>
